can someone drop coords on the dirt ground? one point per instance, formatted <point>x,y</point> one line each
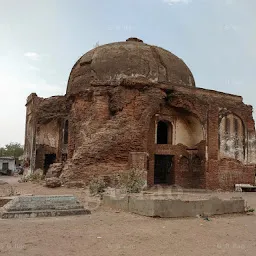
<point>109,232</point>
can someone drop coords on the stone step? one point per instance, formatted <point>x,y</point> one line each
<point>46,213</point>
<point>35,206</point>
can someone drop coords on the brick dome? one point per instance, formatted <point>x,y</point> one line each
<point>132,60</point>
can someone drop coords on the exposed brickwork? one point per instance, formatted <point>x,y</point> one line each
<point>113,105</point>
<point>188,174</point>
<point>213,131</point>
<point>225,173</point>
<point>233,172</point>
<point>41,151</point>
<point>138,160</point>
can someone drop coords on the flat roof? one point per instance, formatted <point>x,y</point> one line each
<point>7,158</point>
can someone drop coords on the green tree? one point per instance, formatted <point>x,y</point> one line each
<point>12,149</point>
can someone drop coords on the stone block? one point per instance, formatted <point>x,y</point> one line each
<point>42,206</point>
<point>172,208</point>
<point>53,182</point>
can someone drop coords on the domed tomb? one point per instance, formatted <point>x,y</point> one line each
<point>130,60</point>
<point>133,106</point>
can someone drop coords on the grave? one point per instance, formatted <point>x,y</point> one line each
<point>42,206</point>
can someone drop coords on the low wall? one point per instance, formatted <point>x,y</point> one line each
<point>170,208</point>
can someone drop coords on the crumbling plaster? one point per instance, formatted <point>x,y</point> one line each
<point>115,96</point>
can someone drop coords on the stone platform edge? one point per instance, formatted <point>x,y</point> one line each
<point>174,208</point>
<point>47,206</point>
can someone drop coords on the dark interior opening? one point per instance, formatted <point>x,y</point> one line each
<point>162,132</point>
<point>66,132</point>
<point>163,170</point>
<point>5,166</point>
<point>64,157</point>
<point>48,160</point>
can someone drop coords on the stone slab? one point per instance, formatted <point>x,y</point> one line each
<point>172,208</point>
<point>4,200</point>
<point>42,206</point>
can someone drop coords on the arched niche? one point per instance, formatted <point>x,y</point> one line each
<point>189,130</point>
<point>232,137</point>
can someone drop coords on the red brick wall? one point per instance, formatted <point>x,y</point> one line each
<point>212,133</point>
<point>188,175</point>
<point>192,176</point>
<point>107,123</point>
<point>225,173</point>
<point>211,174</point>
<point>138,160</point>
<point>231,172</point>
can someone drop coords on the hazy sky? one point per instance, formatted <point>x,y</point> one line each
<point>40,40</point>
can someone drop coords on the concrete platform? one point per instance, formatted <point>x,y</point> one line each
<point>166,207</point>
<point>42,206</point>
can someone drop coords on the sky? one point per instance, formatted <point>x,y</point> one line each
<point>40,40</point>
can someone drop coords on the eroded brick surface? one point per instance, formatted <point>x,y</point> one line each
<point>117,95</point>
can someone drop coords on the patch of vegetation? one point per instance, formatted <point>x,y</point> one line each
<point>36,176</point>
<point>249,209</point>
<point>97,186</point>
<point>132,181</point>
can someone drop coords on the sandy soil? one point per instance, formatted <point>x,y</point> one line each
<point>107,232</point>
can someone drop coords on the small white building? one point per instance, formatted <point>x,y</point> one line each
<point>7,164</point>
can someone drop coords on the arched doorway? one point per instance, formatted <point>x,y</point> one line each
<point>163,163</point>
<point>164,132</point>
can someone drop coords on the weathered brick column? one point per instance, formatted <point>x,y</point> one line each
<point>211,175</point>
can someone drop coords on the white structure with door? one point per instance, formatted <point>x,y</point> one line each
<point>7,164</point>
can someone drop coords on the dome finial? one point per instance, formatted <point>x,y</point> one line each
<point>134,39</point>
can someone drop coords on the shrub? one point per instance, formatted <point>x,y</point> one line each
<point>97,186</point>
<point>249,209</point>
<point>133,181</point>
<point>36,176</point>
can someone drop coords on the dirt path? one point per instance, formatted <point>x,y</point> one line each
<point>107,232</point>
